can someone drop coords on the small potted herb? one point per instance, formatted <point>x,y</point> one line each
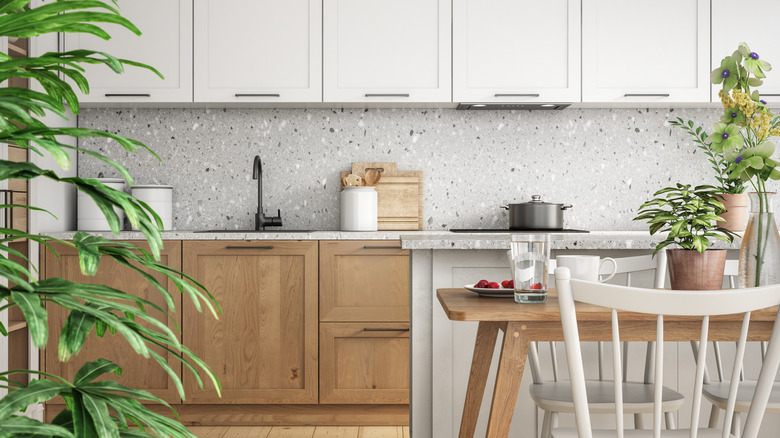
<point>690,216</point>
<point>732,190</point>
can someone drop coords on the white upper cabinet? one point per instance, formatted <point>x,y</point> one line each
<point>516,50</point>
<point>759,31</point>
<point>258,51</point>
<point>166,44</point>
<point>387,50</point>
<point>646,51</point>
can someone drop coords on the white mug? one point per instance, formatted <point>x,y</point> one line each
<point>585,267</point>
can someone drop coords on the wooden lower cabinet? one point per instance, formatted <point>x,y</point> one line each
<point>137,372</point>
<point>364,281</point>
<point>364,363</point>
<point>263,348</point>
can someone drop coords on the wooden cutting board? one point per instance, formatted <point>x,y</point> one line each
<point>399,199</point>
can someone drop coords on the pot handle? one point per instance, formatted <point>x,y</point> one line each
<point>505,207</point>
<point>567,206</point>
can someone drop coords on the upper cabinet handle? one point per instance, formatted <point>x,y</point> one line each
<point>771,94</point>
<point>128,95</point>
<point>646,95</point>
<point>249,247</point>
<point>387,94</point>
<point>381,247</point>
<point>518,95</point>
<point>257,95</point>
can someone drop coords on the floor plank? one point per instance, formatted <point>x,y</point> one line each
<point>407,434</point>
<point>380,432</point>
<point>291,432</point>
<point>247,432</point>
<point>209,431</point>
<point>336,432</point>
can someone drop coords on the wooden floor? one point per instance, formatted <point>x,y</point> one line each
<point>301,431</point>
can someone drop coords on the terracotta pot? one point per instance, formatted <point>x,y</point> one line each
<point>689,270</point>
<point>736,214</point>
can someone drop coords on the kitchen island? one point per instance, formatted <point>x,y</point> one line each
<point>442,351</point>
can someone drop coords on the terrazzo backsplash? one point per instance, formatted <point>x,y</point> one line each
<point>605,162</point>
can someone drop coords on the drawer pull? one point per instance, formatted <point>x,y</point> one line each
<point>384,330</point>
<point>518,95</point>
<point>771,94</point>
<point>387,95</point>
<point>381,247</point>
<point>256,95</point>
<point>128,95</point>
<point>249,247</point>
<point>646,95</point>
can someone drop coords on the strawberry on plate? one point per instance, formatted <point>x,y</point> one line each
<point>493,285</point>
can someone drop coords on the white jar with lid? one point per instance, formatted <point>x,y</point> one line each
<point>159,198</point>
<point>358,209</point>
<point>90,217</point>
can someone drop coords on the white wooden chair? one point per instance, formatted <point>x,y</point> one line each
<point>716,392</point>
<point>554,396</point>
<point>665,302</point>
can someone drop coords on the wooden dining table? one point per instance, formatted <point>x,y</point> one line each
<point>526,323</point>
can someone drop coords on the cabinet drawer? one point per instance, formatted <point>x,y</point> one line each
<point>364,363</point>
<point>364,281</point>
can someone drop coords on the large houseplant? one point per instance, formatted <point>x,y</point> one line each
<point>743,137</point>
<point>94,408</point>
<point>690,216</point>
<point>732,191</point>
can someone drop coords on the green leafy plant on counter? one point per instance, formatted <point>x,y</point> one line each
<point>94,408</point>
<point>720,166</point>
<point>688,215</point>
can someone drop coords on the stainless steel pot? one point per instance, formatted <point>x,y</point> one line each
<point>536,215</point>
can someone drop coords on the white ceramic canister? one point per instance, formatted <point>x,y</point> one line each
<point>160,199</point>
<point>358,209</point>
<point>90,218</point>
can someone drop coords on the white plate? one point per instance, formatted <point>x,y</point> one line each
<point>501,292</point>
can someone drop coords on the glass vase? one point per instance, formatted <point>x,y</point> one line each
<point>759,255</point>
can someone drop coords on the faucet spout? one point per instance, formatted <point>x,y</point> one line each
<point>261,220</point>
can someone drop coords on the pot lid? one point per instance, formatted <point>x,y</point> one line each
<point>537,200</point>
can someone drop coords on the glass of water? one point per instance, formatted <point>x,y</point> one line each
<point>530,266</point>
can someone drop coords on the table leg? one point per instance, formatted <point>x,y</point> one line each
<point>514,352</point>
<point>480,366</point>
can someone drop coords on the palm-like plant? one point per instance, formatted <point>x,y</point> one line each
<point>93,408</point>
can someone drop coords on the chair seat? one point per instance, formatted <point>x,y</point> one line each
<point>637,397</point>
<point>636,433</point>
<point>717,393</point>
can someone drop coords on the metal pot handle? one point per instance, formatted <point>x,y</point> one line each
<point>564,207</point>
<point>505,207</point>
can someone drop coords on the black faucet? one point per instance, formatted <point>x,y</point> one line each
<point>261,220</point>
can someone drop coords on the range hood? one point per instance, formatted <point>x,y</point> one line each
<point>512,106</point>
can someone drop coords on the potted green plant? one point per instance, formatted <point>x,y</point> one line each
<point>743,137</point>
<point>95,406</point>
<point>690,216</point>
<point>732,191</point>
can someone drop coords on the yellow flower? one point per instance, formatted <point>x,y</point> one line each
<point>774,133</point>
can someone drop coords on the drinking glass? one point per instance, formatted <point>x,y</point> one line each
<point>530,266</point>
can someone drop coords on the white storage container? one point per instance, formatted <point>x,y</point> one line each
<point>358,209</point>
<point>90,218</point>
<point>160,199</point>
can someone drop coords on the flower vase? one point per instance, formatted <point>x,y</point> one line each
<point>759,255</point>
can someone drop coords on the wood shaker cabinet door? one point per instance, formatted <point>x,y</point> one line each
<point>364,363</point>
<point>364,281</point>
<point>263,348</point>
<point>137,372</point>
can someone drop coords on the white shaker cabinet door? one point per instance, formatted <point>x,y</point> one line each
<point>258,51</point>
<point>645,51</point>
<point>387,51</point>
<point>165,44</point>
<point>516,50</point>
<point>759,32</point>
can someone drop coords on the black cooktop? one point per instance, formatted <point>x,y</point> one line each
<point>504,230</point>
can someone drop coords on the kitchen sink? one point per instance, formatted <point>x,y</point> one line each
<point>255,231</point>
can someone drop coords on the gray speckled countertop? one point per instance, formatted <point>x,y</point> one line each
<point>425,240</point>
